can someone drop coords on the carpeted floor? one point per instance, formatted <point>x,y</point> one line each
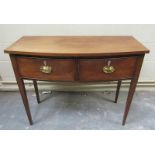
<point>77,111</point>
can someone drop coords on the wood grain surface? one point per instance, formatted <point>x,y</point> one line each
<point>62,69</point>
<point>92,69</point>
<point>77,46</point>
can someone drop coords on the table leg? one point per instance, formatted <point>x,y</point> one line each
<point>36,90</point>
<point>129,99</point>
<point>132,88</point>
<point>118,90</point>
<point>24,98</point>
<point>22,89</point>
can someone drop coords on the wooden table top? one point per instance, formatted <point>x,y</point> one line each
<point>77,46</point>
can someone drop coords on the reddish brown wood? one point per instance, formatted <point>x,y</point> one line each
<point>77,60</point>
<point>132,88</point>
<point>77,46</point>
<point>36,90</point>
<point>21,88</point>
<point>118,90</point>
<point>92,69</point>
<point>62,69</point>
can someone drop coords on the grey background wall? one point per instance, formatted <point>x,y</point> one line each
<point>144,33</point>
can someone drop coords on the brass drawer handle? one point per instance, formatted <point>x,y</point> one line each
<point>45,68</point>
<point>108,69</point>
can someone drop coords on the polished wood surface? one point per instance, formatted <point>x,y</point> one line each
<point>92,69</point>
<point>36,90</point>
<point>77,46</point>
<point>22,89</point>
<point>62,69</point>
<point>132,88</point>
<point>77,59</point>
<point>118,90</point>
<point>66,69</point>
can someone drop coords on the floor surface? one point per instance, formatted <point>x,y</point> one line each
<point>77,111</point>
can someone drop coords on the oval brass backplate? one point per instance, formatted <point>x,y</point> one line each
<point>46,69</point>
<point>108,69</point>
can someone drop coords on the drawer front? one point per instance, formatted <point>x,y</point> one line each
<point>47,69</point>
<point>106,69</point>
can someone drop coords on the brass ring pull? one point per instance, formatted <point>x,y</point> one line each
<point>45,68</point>
<point>108,69</point>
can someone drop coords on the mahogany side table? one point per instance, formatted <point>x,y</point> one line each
<point>77,59</point>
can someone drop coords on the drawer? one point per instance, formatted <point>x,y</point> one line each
<point>106,69</point>
<point>47,69</point>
